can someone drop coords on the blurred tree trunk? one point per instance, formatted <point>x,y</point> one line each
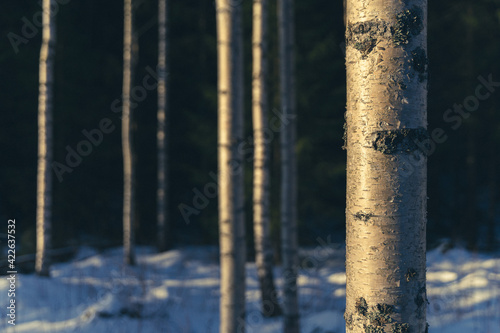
<point>161,137</point>
<point>263,249</point>
<point>289,246</point>
<point>470,219</point>
<point>230,134</point>
<point>492,197</point>
<point>492,180</point>
<point>44,177</point>
<point>386,60</point>
<point>128,165</point>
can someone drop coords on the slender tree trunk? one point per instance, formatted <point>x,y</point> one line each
<point>231,203</point>
<point>161,195</point>
<point>492,181</point>
<point>289,243</point>
<point>470,221</point>
<point>128,167</point>
<point>492,197</point>
<point>44,181</point>
<point>386,172</point>
<point>263,249</point>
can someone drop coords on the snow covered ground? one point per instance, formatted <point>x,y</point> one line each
<point>178,292</point>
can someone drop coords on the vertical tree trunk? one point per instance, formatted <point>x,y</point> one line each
<point>289,243</point>
<point>231,204</point>
<point>44,181</point>
<point>263,249</point>
<point>128,167</point>
<point>492,181</point>
<point>492,197</point>
<point>161,195</point>
<point>470,221</point>
<point>386,119</point>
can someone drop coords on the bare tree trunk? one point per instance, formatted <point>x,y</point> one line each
<point>289,243</point>
<point>386,117</point>
<point>492,196</point>
<point>128,167</point>
<point>44,181</point>
<point>491,240</point>
<point>231,203</point>
<point>161,198</point>
<point>263,249</point>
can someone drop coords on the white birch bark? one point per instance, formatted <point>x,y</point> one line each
<point>44,176</point>
<point>230,134</point>
<point>386,172</point>
<point>289,242</point>
<point>128,167</point>
<point>261,182</point>
<point>161,137</point>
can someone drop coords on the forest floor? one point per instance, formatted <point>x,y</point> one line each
<point>178,291</point>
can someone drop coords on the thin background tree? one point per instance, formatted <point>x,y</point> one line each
<point>161,135</point>
<point>128,163</point>
<point>386,58</point>
<point>264,258</point>
<point>230,161</point>
<point>44,177</point>
<point>289,243</point>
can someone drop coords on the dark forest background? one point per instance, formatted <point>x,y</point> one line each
<point>464,43</point>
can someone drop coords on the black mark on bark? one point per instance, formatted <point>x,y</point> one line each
<point>410,274</point>
<point>361,306</point>
<point>409,23</point>
<point>344,137</point>
<point>401,328</point>
<point>403,140</point>
<point>348,320</point>
<point>373,329</point>
<point>364,36</point>
<point>363,216</point>
<point>380,315</point>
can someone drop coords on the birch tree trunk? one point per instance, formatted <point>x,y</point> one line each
<point>289,243</point>
<point>230,134</point>
<point>386,60</point>
<point>161,195</point>
<point>44,177</point>
<point>263,249</point>
<point>128,167</point>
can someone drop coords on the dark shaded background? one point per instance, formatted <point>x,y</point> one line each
<point>87,207</point>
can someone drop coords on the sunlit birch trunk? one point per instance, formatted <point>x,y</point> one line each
<point>386,60</point>
<point>44,177</point>
<point>230,135</point>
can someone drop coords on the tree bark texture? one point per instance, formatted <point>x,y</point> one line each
<point>230,161</point>
<point>289,242</point>
<point>128,167</point>
<point>261,179</point>
<point>44,176</point>
<point>386,123</point>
